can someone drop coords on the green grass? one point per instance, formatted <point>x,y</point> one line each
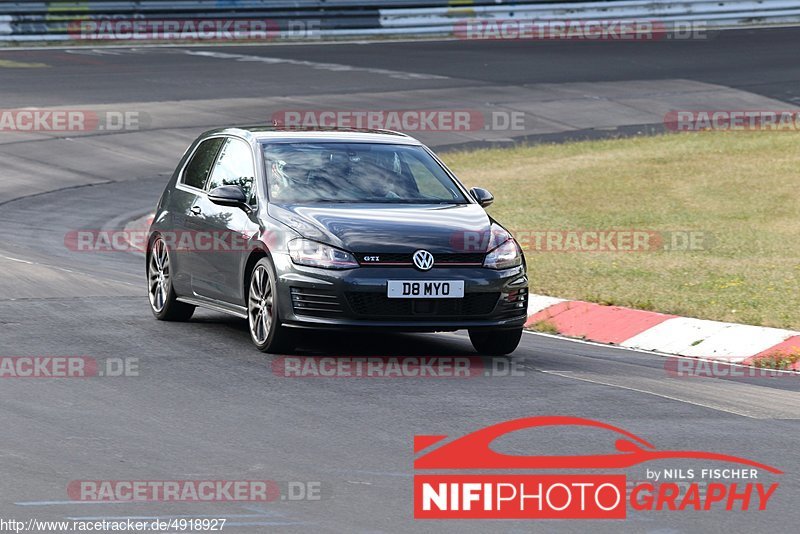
<point>778,360</point>
<point>740,190</point>
<point>548,327</point>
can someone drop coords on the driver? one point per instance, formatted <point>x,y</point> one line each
<point>280,181</point>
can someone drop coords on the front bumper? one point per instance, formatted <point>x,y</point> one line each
<point>310,297</point>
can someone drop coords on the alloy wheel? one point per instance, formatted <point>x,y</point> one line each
<point>260,310</point>
<point>159,275</point>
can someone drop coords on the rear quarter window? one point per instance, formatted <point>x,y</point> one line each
<point>196,172</point>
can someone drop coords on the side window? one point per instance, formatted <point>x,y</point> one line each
<point>234,167</point>
<point>196,172</point>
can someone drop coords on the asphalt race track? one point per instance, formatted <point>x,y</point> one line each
<point>207,405</point>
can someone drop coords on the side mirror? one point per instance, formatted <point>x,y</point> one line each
<point>483,196</point>
<point>229,195</point>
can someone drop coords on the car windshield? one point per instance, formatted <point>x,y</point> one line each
<point>357,172</point>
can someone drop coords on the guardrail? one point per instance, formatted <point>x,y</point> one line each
<point>288,19</point>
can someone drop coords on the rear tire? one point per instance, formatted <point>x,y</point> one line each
<point>495,342</point>
<point>263,319</point>
<point>163,300</point>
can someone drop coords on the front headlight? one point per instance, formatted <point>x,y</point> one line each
<point>313,254</point>
<point>505,256</point>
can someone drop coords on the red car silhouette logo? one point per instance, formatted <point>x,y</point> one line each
<point>473,451</point>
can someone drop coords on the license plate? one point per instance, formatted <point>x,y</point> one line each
<point>425,289</point>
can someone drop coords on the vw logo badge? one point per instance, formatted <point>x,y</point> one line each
<point>423,260</point>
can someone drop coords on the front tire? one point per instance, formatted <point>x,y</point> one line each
<point>266,330</point>
<point>163,300</point>
<point>495,342</point>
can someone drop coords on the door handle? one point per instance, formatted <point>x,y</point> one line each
<point>196,210</point>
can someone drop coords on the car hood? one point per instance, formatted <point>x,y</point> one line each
<point>447,228</point>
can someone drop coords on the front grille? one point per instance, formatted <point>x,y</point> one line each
<point>471,257</point>
<point>439,260</point>
<point>315,302</point>
<point>378,305</point>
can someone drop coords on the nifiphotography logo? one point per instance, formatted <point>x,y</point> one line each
<point>504,494</point>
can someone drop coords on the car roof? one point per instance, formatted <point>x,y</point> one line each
<point>268,133</point>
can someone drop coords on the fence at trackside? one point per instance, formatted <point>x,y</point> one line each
<point>25,20</point>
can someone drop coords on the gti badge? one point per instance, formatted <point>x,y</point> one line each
<point>423,260</point>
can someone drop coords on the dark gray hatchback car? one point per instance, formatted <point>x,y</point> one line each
<point>332,229</point>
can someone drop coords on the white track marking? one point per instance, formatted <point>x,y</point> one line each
<point>563,374</point>
<point>57,268</point>
<point>652,352</point>
<point>334,67</point>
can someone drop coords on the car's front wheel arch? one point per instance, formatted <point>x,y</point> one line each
<point>148,249</point>
<point>254,257</point>
<point>272,336</point>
